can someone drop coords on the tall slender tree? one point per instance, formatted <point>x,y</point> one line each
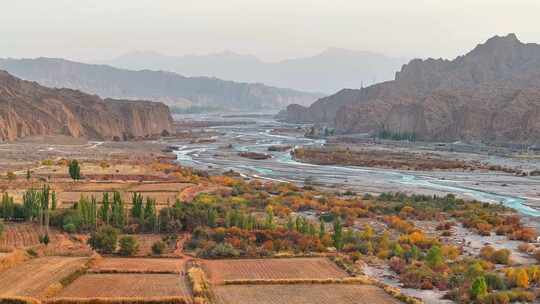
<point>105,209</point>
<point>338,234</point>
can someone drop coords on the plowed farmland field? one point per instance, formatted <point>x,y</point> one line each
<point>33,277</point>
<point>140,265</point>
<point>127,285</point>
<point>302,294</point>
<point>19,236</point>
<point>251,269</point>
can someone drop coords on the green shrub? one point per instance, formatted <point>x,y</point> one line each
<point>496,298</point>
<point>501,256</point>
<point>69,228</point>
<point>104,240</point>
<point>128,246</point>
<point>495,282</point>
<point>158,248</point>
<point>219,251</point>
<point>74,170</point>
<point>479,288</point>
<point>31,252</point>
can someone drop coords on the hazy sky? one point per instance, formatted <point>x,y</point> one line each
<point>270,29</point>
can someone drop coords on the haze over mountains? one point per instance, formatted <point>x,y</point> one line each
<point>491,94</point>
<point>327,72</point>
<point>29,109</point>
<point>170,88</point>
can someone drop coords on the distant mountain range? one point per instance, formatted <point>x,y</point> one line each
<point>29,109</point>
<point>326,72</point>
<point>170,88</point>
<point>491,94</point>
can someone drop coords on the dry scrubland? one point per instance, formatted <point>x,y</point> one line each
<point>272,269</point>
<point>302,294</point>
<point>126,285</point>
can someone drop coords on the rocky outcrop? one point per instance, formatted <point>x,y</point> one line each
<point>492,94</point>
<point>28,109</point>
<point>170,88</point>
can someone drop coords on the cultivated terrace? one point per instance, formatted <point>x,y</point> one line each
<point>158,232</point>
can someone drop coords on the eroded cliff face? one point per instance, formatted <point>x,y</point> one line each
<point>28,109</point>
<point>491,94</point>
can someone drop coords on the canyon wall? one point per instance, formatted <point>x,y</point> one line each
<point>29,109</point>
<point>491,94</point>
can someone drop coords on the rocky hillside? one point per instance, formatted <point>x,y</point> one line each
<point>491,94</point>
<point>170,88</point>
<point>29,109</point>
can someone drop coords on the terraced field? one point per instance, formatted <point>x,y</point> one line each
<point>139,265</point>
<point>127,285</point>
<point>260,269</point>
<point>302,294</point>
<point>32,278</point>
<point>19,236</point>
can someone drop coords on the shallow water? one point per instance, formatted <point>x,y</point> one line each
<point>281,167</point>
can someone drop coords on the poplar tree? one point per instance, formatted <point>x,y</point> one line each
<point>118,216</point>
<point>104,210</point>
<point>338,234</point>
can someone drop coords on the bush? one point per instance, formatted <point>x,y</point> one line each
<point>1,228</point>
<point>69,228</point>
<point>495,282</point>
<point>11,176</point>
<point>501,256</point>
<point>74,170</point>
<point>104,240</point>
<point>69,220</point>
<point>479,288</point>
<point>496,298</point>
<point>128,246</point>
<point>158,248</point>
<point>219,251</point>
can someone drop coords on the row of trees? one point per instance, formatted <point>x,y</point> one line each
<point>37,206</point>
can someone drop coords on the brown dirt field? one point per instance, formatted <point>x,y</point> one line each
<point>294,268</point>
<point>144,187</point>
<point>302,294</point>
<point>23,235</point>
<point>127,285</point>
<point>140,265</point>
<point>33,277</point>
<point>19,236</point>
<point>91,186</point>
<point>68,198</point>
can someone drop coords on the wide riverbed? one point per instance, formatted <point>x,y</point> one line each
<point>521,193</point>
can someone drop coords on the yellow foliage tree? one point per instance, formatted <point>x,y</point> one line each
<point>522,278</point>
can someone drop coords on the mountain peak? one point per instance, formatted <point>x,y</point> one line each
<point>508,39</point>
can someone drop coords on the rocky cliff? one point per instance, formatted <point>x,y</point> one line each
<point>491,94</point>
<point>28,109</point>
<point>170,88</point>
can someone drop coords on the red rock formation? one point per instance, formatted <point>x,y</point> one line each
<point>491,94</point>
<point>28,109</point>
